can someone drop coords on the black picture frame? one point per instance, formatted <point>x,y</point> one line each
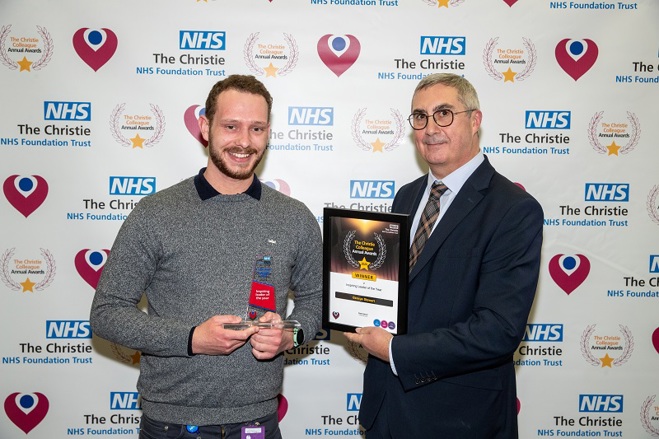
<point>373,290</point>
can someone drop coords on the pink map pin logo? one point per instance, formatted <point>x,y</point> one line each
<point>338,52</point>
<point>279,186</point>
<point>26,410</point>
<point>569,271</point>
<point>25,192</point>
<point>190,117</point>
<point>282,406</point>
<point>95,46</point>
<point>90,263</point>
<point>576,57</point>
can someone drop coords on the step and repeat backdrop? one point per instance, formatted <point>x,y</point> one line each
<point>99,109</point>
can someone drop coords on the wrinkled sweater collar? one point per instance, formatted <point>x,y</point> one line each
<point>206,191</point>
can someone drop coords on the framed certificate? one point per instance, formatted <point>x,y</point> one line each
<point>365,268</point>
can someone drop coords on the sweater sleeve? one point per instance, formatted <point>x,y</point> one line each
<point>116,313</point>
<point>307,276</point>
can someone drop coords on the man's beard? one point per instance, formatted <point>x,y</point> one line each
<point>220,163</point>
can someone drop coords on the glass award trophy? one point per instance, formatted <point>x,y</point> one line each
<point>262,298</point>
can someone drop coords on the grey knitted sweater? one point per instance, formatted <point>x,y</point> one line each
<point>193,259</point>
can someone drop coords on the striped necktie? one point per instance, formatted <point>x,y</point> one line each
<point>428,218</point>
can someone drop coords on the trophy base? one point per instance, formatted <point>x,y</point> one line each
<point>283,324</point>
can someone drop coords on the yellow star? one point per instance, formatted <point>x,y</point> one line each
<point>509,75</point>
<point>441,3</point>
<point>25,64</point>
<point>613,148</point>
<point>136,357</point>
<point>270,70</point>
<point>377,145</point>
<point>606,361</point>
<point>28,285</point>
<point>138,142</point>
<point>363,264</point>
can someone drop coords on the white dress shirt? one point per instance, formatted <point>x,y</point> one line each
<point>454,182</point>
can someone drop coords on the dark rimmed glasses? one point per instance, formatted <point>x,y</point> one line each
<point>442,118</point>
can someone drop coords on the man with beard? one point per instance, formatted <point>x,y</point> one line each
<point>217,248</point>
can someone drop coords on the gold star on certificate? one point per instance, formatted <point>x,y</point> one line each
<point>138,142</point>
<point>613,148</point>
<point>363,264</point>
<point>25,64</point>
<point>271,70</point>
<point>28,285</point>
<point>606,361</point>
<point>443,3</point>
<point>509,75</point>
<point>377,145</point>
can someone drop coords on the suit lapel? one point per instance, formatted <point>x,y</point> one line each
<point>468,197</point>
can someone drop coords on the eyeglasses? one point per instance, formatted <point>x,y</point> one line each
<point>443,118</point>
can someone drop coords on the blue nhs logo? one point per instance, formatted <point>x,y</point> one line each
<point>654,263</point>
<point>77,111</point>
<point>311,116</point>
<point>543,332</point>
<point>548,120</point>
<point>68,329</point>
<point>202,40</point>
<point>600,403</point>
<point>353,402</point>
<point>372,188</point>
<point>607,192</point>
<point>124,185</point>
<point>442,45</point>
<point>125,401</point>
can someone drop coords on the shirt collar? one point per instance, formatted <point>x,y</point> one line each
<point>456,179</point>
<point>206,191</point>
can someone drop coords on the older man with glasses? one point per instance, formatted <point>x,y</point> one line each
<point>474,263</point>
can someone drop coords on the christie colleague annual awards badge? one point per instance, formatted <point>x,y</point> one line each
<point>357,249</point>
<point>365,270</point>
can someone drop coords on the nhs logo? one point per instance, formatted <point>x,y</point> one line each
<point>125,401</point>
<point>440,45</point>
<point>372,188</point>
<point>617,192</point>
<point>132,185</point>
<point>77,111</point>
<point>654,263</point>
<point>600,403</point>
<point>353,402</point>
<point>540,332</point>
<point>548,120</point>
<point>202,40</point>
<point>68,329</point>
<point>311,116</point>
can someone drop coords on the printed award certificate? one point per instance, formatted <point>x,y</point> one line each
<point>365,268</point>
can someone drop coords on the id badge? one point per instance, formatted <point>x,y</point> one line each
<point>262,295</point>
<point>252,432</point>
